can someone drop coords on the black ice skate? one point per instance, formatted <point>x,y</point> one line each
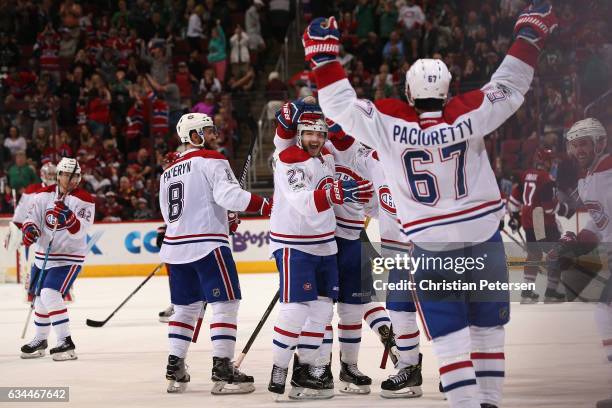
<point>164,315</point>
<point>405,384</point>
<point>64,350</point>
<point>308,382</point>
<point>387,338</point>
<point>228,379</point>
<point>34,349</point>
<point>488,406</point>
<point>353,380</point>
<point>278,378</point>
<point>552,296</point>
<point>176,374</point>
<point>529,297</point>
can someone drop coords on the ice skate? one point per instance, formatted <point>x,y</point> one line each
<point>552,296</point>
<point>228,379</point>
<point>34,349</point>
<point>488,406</point>
<point>278,378</point>
<point>164,315</point>
<point>176,374</point>
<point>529,297</point>
<point>353,380</point>
<point>64,350</point>
<point>308,382</point>
<point>387,338</point>
<point>405,384</point>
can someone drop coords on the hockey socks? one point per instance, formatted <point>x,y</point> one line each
<point>406,337</point>
<point>489,362</point>
<point>181,327</point>
<point>349,331</point>
<point>223,328</point>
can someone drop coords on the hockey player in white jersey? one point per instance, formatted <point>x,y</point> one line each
<point>196,192</point>
<point>586,143</point>
<point>444,189</point>
<point>354,295</point>
<point>302,241</point>
<point>70,211</point>
<point>400,305</point>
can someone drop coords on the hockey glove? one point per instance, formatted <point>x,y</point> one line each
<point>359,192</point>
<point>288,115</point>
<point>515,221</point>
<point>536,23</point>
<point>321,41</point>
<point>161,233</point>
<point>65,217</point>
<point>31,233</point>
<point>233,221</point>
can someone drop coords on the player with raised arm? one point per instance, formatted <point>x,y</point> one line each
<point>445,192</point>
<point>196,191</point>
<point>354,289</point>
<point>70,211</point>
<point>586,142</point>
<point>302,241</point>
<point>537,189</point>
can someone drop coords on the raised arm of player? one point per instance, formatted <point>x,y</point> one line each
<point>228,193</point>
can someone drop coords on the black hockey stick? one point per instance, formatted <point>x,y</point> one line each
<point>247,347</point>
<point>100,323</point>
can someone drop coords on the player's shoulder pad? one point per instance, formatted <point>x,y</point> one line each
<point>461,104</point>
<point>204,153</point>
<point>397,108</point>
<point>83,195</point>
<point>294,154</point>
<point>344,143</point>
<point>33,188</point>
<point>48,189</point>
<point>605,164</point>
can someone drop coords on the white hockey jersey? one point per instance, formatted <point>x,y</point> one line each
<point>383,209</point>
<point>436,164</point>
<point>595,190</point>
<point>68,247</point>
<point>195,193</point>
<point>349,159</point>
<point>302,217</point>
<point>25,202</point>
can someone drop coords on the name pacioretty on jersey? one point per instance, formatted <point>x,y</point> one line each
<point>415,136</point>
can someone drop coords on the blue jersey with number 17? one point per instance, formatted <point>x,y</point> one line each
<point>195,192</point>
<point>436,163</point>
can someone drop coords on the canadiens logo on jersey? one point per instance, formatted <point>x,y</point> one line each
<point>345,174</point>
<point>386,200</point>
<point>51,219</point>
<point>597,213</point>
<point>325,183</point>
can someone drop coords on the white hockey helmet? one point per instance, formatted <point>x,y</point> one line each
<point>193,121</point>
<point>591,128</point>
<point>310,121</point>
<point>427,78</point>
<point>69,165</point>
<point>48,174</point>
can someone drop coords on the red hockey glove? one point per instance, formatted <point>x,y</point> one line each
<point>536,23</point>
<point>359,192</point>
<point>31,233</point>
<point>65,217</point>
<point>321,41</point>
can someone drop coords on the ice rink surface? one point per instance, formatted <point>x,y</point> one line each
<point>553,353</point>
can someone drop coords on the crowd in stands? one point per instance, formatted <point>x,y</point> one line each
<point>107,84</point>
<point>107,81</point>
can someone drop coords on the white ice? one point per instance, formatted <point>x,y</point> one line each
<point>553,354</point>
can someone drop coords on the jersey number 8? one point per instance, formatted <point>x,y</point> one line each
<point>175,201</point>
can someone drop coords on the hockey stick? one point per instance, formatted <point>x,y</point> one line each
<point>43,271</point>
<point>249,343</point>
<point>383,361</point>
<point>196,332</point>
<point>100,323</point>
<point>516,241</point>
